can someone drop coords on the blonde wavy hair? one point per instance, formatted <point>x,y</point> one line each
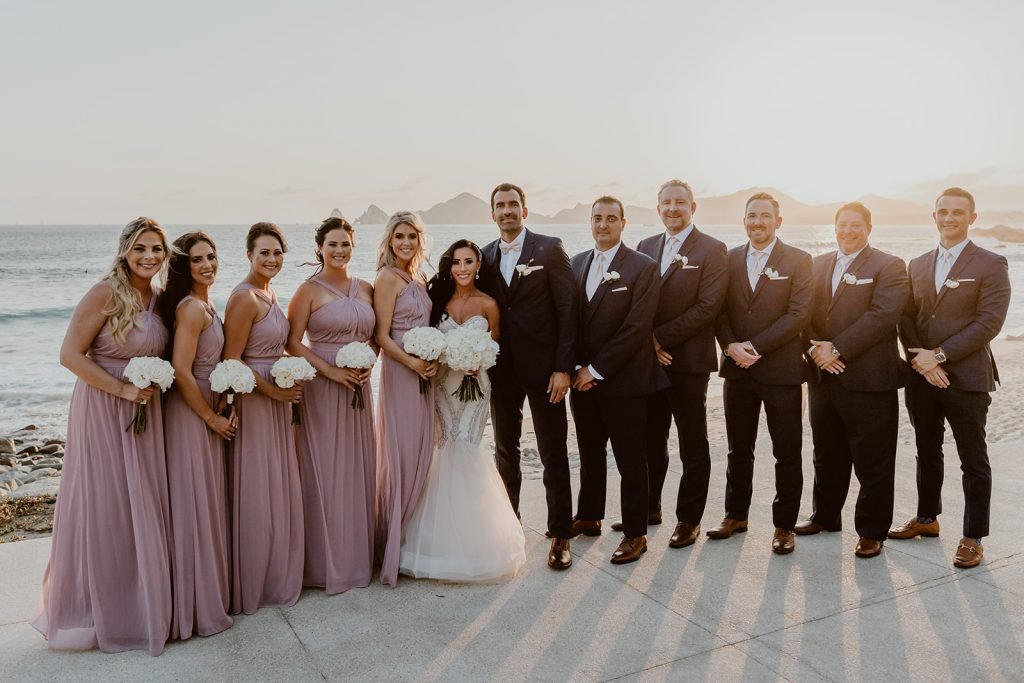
<point>386,256</point>
<point>125,302</point>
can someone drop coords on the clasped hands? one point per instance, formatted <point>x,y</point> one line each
<point>926,365</point>
<point>742,353</point>
<point>823,355</point>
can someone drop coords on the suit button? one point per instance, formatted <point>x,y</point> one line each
<point>933,315</point>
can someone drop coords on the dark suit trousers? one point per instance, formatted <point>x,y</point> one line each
<point>782,407</point>
<point>551,426</point>
<point>966,411</point>
<point>686,401</point>
<point>854,430</point>
<point>599,419</point>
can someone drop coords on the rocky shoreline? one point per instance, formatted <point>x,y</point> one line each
<point>30,467</point>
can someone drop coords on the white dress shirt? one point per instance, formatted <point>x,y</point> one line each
<point>609,256</point>
<point>509,259</point>
<point>756,262</point>
<point>672,244</point>
<point>944,260</point>
<point>843,262</point>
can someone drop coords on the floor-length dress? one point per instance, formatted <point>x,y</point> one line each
<point>463,528</point>
<point>405,433</point>
<point>108,582</point>
<point>337,454</point>
<point>196,466</point>
<point>265,491</point>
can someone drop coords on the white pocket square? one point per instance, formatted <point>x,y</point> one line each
<point>966,279</point>
<point>865,281</point>
<point>779,277</point>
<point>689,267</point>
<point>620,289</point>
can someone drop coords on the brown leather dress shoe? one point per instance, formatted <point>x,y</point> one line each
<point>685,534</point>
<point>653,519</point>
<point>559,556</point>
<point>727,528</point>
<point>913,528</point>
<point>868,547</point>
<point>629,550</point>
<point>783,542</point>
<point>586,527</point>
<point>968,554</point>
<point>810,527</point>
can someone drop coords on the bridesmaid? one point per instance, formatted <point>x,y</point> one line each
<point>405,420</point>
<point>194,435</point>
<point>108,582</point>
<point>337,457</point>
<point>265,492</point>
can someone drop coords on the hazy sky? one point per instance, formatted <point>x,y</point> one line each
<point>241,111</point>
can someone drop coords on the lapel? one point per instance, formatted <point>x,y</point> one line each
<point>525,254</point>
<point>684,250</point>
<point>861,259</point>
<point>778,251</point>
<point>493,256</point>
<point>958,266</point>
<point>602,288</point>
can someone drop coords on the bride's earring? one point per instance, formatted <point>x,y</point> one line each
<point>478,274</point>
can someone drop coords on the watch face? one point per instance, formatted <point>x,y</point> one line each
<point>940,357</point>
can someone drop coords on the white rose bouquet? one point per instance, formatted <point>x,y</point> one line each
<point>427,343</point>
<point>143,372</point>
<point>288,370</point>
<point>357,355</point>
<point>232,377</point>
<point>469,351</point>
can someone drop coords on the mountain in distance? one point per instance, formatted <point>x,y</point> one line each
<point>468,209</point>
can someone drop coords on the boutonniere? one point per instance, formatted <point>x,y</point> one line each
<point>525,269</point>
<point>610,276</point>
<point>850,279</point>
<point>683,262</point>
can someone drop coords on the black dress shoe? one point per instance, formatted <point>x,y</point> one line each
<point>653,519</point>
<point>559,556</point>
<point>586,527</point>
<point>629,550</point>
<point>685,534</point>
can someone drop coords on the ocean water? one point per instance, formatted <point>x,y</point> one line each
<point>45,270</point>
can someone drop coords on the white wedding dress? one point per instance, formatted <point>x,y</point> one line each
<point>463,528</point>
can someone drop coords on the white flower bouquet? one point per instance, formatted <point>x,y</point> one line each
<point>469,351</point>
<point>143,372</point>
<point>288,370</point>
<point>427,343</point>
<point>358,355</point>
<point>232,377</point>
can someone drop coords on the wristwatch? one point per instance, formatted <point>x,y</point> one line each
<point>940,356</point>
<point>835,351</point>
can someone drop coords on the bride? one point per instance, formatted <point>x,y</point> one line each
<point>463,528</point>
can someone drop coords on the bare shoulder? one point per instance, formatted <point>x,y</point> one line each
<point>97,298</point>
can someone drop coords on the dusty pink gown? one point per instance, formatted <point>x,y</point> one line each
<point>108,582</point>
<point>337,456</point>
<point>196,462</point>
<point>265,491</point>
<point>405,434</point>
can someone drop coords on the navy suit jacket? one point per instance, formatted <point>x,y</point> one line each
<point>771,317</point>
<point>961,319</point>
<point>538,312</point>
<point>689,300</point>
<point>860,319</point>
<point>615,327</point>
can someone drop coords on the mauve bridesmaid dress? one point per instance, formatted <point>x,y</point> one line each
<point>265,492</point>
<point>196,462</point>
<point>108,582</point>
<point>405,433</point>
<point>337,456</point>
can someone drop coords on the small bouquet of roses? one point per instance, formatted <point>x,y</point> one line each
<point>427,343</point>
<point>357,355</point>
<point>143,372</point>
<point>232,377</point>
<point>471,351</point>
<point>288,370</point>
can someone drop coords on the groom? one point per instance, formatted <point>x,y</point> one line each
<point>529,276</point>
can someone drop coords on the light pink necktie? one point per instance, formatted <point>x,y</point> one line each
<point>596,275</point>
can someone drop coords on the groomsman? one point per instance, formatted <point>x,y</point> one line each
<point>694,277</point>
<point>960,294</point>
<point>616,372</point>
<point>767,305</point>
<point>859,294</point>
<point>529,276</point>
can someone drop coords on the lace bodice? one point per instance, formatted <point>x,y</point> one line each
<point>458,420</point>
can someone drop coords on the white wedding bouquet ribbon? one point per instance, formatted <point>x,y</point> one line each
<point>427,343</point>
<point>361,356</point>
<point>469,351</point>
<point>286,371</point>
<point>144,372</point>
